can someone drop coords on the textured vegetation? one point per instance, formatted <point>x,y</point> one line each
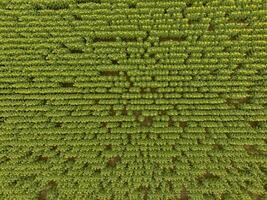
<point>128,99</point>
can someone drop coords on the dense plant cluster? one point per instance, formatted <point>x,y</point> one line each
<point>128,99</point>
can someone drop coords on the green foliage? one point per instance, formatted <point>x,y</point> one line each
<point>127,99</point>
